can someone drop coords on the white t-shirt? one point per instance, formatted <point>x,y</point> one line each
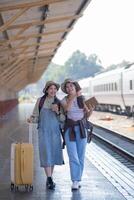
<point>75,113</point>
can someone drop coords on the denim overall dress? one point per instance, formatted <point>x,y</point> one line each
<point>49,139</point>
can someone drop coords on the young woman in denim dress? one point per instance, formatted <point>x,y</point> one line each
<point>49,135</point>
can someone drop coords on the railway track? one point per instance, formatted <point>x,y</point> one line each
<point>113,156</point>
<point>121,146</point>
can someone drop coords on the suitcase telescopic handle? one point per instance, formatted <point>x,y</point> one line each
<point>30,132</point>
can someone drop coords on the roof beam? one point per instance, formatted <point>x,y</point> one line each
<point>27,25</point>
<point>8,63</point>
<point>47,21</point>
<point>39,56</point>
<point>26,37</point>
<point>7,71</point>
<point>8,42</point>
<point>40,50</point>
<point>10,21</point>
<point>44,34</point>
<point>44,15</point>
<point>11,61</point>
<point>24,28</point>
<point>23,81</point>
<point>8,6</point>
<point>54,42</point>
<point>4,32</point>
<point>20,76</point>
<point>13,71</point>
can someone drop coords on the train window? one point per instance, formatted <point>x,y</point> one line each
<point>94,89</point>
<point>102,88</point>
<point>106,87</point>
<point>115,86</point>
<point>131,85</point>
<point>109,86</point>
<point>112,86</point>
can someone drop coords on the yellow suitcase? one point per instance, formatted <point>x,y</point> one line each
<point>22,166</point>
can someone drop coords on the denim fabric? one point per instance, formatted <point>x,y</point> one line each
<point>49,138</point>
<point>76,152</point>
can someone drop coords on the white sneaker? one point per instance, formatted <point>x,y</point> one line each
<point>75,185</point>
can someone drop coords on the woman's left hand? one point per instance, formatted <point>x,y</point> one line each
<point>79,93</point>
<point>89,112</point>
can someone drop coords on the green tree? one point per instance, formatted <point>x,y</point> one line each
<point>80,66</point>
<point>77,66</point>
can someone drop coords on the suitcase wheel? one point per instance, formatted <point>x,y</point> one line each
<point>16,188</point>
<point>13,187</point>
<point>29,188</point>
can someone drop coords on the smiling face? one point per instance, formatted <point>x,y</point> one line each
<point>70,88</point>
<point>52,91</point>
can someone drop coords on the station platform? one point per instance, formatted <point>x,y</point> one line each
<point>95,186</point>
<point>121,124</point>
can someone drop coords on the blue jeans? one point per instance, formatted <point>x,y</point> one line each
<point>76,153</point>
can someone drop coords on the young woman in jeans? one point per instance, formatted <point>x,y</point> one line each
<point>75,134</point>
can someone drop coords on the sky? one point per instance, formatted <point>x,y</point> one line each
<point>106,29</point>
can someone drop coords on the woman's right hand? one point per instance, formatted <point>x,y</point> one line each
<point>30,120</point>
<point>71,97</point>
<point>55,108</point>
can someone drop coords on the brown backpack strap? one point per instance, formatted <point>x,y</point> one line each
<point>41,102</point>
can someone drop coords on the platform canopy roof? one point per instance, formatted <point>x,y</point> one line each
<point>31,31</point>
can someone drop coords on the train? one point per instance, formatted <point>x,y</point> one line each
<point>113,89</point>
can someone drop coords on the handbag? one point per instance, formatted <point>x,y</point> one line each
<point>89,128</point>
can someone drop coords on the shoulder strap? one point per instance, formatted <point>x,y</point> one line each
<point>57,101</point>
<point>41,102</point>
<point>80,101</point>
